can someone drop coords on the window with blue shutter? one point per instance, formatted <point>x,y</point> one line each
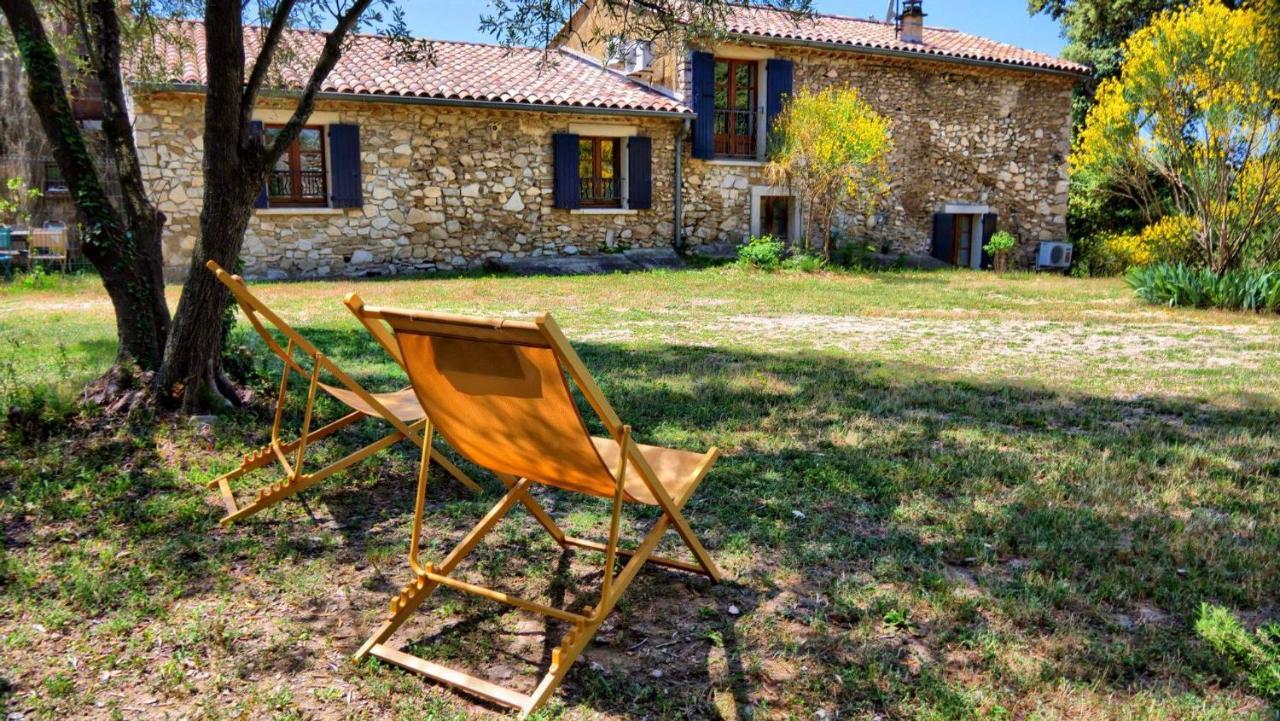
<point>778,83</point>
<point>565,181</point>
<point>640,172</point>
<point>704,104</point>
<point>255,134</point>
<point>346,183</point>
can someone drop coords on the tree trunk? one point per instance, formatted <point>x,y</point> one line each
<point>192,370</point>
<point>125,252</point>
<point>235,167</point>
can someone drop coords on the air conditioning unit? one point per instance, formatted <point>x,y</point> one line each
<point>1054,255</point>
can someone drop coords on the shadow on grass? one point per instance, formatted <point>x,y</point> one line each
<point>1012,535</point>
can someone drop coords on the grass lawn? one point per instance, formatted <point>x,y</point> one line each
<point>941,496</point>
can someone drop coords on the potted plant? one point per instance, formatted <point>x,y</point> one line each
<point>998,247</point>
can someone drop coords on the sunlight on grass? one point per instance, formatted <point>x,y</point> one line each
<point>941,496</point>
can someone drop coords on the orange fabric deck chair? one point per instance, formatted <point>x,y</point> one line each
<point>401,409</point>
<point>496,391</point>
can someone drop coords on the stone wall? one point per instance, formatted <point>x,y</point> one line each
<point>453,188</point>
<point>444,188</point>
<point>962,135</point>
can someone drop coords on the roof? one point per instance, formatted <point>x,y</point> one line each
<point>860,33</point>
<point>467,73</point>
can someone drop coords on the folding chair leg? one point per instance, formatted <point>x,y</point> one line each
<point>417,591</point>
<point>276,492</point>
<point>563,656</point>
<point>262,457</point>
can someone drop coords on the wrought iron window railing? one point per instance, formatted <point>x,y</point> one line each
<point>736,133</point>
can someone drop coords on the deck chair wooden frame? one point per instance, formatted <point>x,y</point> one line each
<point>400,409</point>
<point>388,326</point>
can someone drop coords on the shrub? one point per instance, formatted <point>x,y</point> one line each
<point>1166,240</point>
<point>1001,242</point>
<point>1256,656</point>
<point>1177,285</point>
<point>805,263</point>
<point>764,252</point>
<point>37,411</point>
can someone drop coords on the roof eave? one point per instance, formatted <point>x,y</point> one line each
<point>890,52</point>
<point>448,102</point>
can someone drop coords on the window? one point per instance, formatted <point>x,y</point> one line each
<point>600,172</point>
<point>735,108</point>
<point>300,176</point>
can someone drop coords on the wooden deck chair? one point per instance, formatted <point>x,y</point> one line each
<point>401,409</point>
<point>496,391</point>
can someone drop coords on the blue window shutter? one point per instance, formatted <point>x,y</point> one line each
<point>255,132</point>
<point>944,236</point>
<point>639,172</point>
<point>778,80</point>
<point>704,104</point>
<point>564,152</point>
<point>346,187</point>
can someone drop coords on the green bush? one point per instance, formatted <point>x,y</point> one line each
<point>1256,656</point>
<point>1002,241</point>
<point>764,252</point>
<point>805,263</point>
<point>1178,285</point>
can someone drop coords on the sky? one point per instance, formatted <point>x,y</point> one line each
<point>1004,20</point>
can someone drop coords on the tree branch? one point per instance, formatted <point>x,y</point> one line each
<point>261,65</point>
<point>115,121</point>
<point>329,57</point>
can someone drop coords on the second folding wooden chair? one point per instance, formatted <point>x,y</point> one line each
<point>496,391</point>
<point>401,409</point>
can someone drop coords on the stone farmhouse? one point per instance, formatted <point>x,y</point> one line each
<point>489,154</point>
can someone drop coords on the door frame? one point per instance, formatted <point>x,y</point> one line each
<point>758,192</point>
<point>975,248</point>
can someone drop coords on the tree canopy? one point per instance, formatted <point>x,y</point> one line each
<point>1191,126</point>
<point>832,148</point>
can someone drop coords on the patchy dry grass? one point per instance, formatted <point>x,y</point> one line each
<point>942,496</point>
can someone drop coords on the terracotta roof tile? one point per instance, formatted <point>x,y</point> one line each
<point>872,34</point>
<point>460,71</point>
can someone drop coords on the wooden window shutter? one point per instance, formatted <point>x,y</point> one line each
<point>640,172</point>
<point>566,187</point>
<point>346,186</point>
<point>778,86</point>
<point>256,134</point>
<point>944,236</point>
<point>704,104</point>
<point>990,223</point>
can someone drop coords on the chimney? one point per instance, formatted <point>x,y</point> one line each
<point>911,22</point>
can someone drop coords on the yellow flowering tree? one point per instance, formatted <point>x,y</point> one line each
<point>1191,128</point>
<point>832,150</point>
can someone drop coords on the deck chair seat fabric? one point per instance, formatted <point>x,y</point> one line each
<point>403,404</point>
<point>676,469</point>
<point>506,406</point>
